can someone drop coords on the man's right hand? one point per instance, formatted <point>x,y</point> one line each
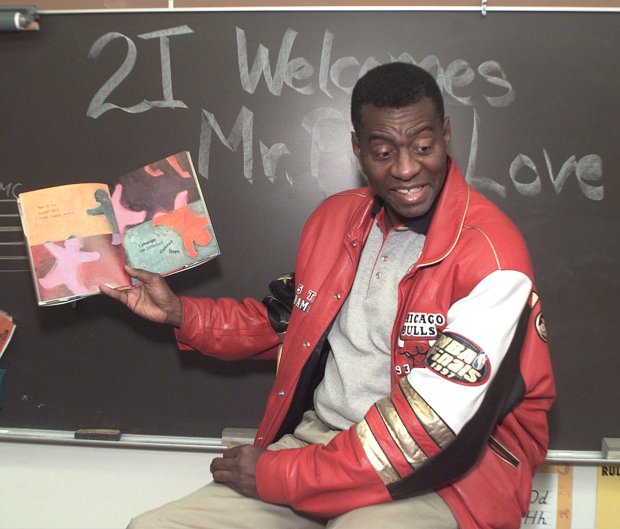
<point>151,298</point>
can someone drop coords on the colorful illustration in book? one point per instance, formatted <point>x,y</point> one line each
<point>190,226</point>
<point>154,189</point>
<point>77,266</point>
<point>106,208</point>
<point>71,248</point>
<point>176,229</point>
<point>65,271</point>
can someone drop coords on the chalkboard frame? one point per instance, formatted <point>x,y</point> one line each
<point>89,314</point>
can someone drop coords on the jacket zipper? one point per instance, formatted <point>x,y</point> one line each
<point>502,452</point>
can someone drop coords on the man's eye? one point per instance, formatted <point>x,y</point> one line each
<point>382,155</point>
<point>424,149</point>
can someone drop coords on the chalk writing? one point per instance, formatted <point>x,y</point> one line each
<point>286,70</point>
<point>587,171</point>
<point>99,105</point>
<point>458,74</point>
<point>9,190</point>
<point>481,182</point>
<point>456,80</point>
<point>242,131</point>
<point>322,141</point>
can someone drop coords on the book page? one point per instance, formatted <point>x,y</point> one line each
<point>58,213</point>
<point>72,241</point>
<point>163,217</point>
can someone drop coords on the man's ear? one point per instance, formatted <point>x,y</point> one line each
<point>447,131</point>
<point>355,143</point>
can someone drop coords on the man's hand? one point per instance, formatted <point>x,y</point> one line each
<point>237,469</point>
<point>152,298</point>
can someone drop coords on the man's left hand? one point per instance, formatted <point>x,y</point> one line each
<point>237,469</point>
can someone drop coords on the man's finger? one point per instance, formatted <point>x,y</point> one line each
<point>139,274</point>
<point>232,451</point>
<point>221,463</point>
<point>113,293</point>
<point>222,476</point>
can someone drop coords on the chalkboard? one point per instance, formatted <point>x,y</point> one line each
<point>260,99</point>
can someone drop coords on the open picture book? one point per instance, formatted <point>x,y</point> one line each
<point>82,235</point>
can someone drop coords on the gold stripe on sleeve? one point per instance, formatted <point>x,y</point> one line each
<point>375,453</point>
<point>414,455</point>
<point>432,423</point>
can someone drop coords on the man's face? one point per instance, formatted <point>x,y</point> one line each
<point>403,153</point>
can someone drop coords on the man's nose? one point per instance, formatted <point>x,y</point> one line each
<point>406,165</point>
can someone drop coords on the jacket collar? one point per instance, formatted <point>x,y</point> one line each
<point>446,223</point>
<point>418,224</point>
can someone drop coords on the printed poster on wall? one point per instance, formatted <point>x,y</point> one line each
<point>608,497</point>
<point>551,498</point>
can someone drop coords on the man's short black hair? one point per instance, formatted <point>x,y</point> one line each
<point>394,85</point>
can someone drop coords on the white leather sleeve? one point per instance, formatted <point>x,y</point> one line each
<point>487,319</point>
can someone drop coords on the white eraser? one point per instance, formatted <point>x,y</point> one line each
<point>238,436</point>
<point>610,447</point>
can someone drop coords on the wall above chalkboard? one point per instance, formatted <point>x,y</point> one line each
<point>260,99</point>
<point>489,5</point>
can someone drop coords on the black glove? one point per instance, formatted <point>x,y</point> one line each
<point>279,302</point>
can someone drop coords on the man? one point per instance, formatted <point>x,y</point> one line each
<point>414,377</point>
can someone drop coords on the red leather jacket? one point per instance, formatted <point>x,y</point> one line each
<point>471,380</point>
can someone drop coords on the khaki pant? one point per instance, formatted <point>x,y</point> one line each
<point>215,506</point>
